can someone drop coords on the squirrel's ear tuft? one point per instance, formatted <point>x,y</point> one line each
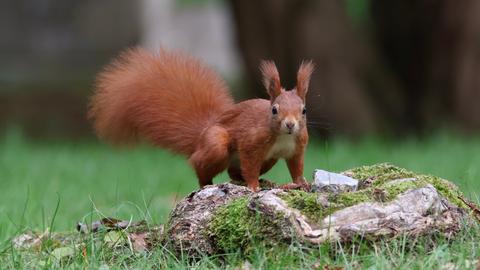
<point>303,78</point>
<point>271,79</point>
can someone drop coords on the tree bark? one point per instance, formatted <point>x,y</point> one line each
<point>227,217</point>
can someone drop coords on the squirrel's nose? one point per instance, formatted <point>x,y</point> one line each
<point>290,125</point>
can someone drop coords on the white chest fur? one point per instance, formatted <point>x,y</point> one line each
<point>284,147</point>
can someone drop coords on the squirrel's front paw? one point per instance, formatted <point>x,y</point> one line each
<point>254,186</point>
<point>267,184</point>
<point>305,186</point>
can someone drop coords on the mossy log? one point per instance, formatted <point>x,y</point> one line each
<point>389,202</point>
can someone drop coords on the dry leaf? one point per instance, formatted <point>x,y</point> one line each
<point>139,241</point>
<point>29,240</point>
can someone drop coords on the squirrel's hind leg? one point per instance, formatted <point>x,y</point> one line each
<point>206,174</point>
<point>211,156</point>
<point>235,172</point>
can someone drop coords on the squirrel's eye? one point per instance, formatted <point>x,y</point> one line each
<point>304,111</point>
<point>274,110</point>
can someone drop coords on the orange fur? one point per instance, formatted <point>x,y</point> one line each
<point>168,98</point>
<point>271,78</point>
<point>303,77</point>
<point>176,102</point>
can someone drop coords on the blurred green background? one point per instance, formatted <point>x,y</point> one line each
<point>396,81</point>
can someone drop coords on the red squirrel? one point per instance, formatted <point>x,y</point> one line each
<point>176,102</point>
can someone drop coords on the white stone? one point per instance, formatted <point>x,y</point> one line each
<point>329,181</point>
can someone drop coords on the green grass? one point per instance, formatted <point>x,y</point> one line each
<point>89,180</point>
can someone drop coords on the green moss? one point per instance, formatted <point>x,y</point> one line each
<point>379,175</point>
<point>376,175</point>
<point>391,190</point>
<point>352,198</point>
<point>308,203</point>
<point>236,226</point>
<point>447,189</point>
<point>375,185</point>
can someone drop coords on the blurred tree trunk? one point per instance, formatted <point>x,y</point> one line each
<point>288,31</point>
<point>432,47</point>
<point>467,94</point>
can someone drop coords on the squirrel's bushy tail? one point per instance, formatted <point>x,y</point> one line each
<point>168,98</point>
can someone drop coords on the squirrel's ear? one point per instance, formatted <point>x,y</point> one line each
<point>303,78</point>
<point>271,79</point>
